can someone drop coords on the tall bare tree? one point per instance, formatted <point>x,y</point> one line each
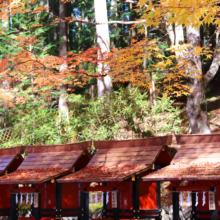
<point>63,103</point>
<point>103,40</point>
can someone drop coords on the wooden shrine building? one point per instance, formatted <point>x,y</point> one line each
<point>195,170</point>
<point>36,178</point>
<point>10,159</point>
<point>116,170</point>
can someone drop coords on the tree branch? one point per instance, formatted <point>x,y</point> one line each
<point>214,66</point>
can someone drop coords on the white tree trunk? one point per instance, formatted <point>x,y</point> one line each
<point>104,84</point>
<point>176,34</point>
<point>63,102</point>
<point>196,106</point>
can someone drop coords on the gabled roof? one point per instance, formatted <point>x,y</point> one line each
<point>53,161</point>
<point>10,159</point>
<point>197,159</point>
<point>119,160</point>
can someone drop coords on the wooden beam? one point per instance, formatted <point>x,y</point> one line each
<point>194,208</point>
<point>158,198</point>
<point>214,213</point>
<point>175,204</point>
<point>38,210</point>
<point>13,208</point>
<point>116,210</point>
<point>136,197</point>
<point>58,199</point>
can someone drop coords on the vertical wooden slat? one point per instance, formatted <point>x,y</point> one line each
<point>86,204</point>
<point>158,198</point>
<point>175,204</point>
<point>116,210</point>
<point>194,208</point>
<point>58,199</point>
<point>104,202</point>
<point>136,197</point>
<point>38,210</point>
<point>13,211</point>
<point>214,213</point>
<point>81,212</point>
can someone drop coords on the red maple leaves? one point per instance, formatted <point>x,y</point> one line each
<point>193,170</point>
<point>105,172</point>
<point>32,175</point>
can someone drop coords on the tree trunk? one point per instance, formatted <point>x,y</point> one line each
<point>196,107</point>
<point>63,105</point>
<point>104,84</point>
<point>5,84</point>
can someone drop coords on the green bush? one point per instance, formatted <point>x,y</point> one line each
<point>122,115</point>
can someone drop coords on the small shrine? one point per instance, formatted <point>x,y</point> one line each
<point>10,159</point>
<point>34,182</point>
<point>115,172</point>
<point>195,170</point>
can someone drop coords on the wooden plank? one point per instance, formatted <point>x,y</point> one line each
<point>195,160</point>
<point>7,157</point>
<point>57,148</point>
<point>128,159</point>
<point>125,154</point>
<point>70,157</point>
<point>133,149</point>
<point>2,168</point>
<point>197,139</point>
<point>51,160</point>
<point>4,164</point>
<point>195,155</point>
<point>48,163</point>
<point>12,151</point>
<point>155,141</point>
<point>6,160</point>
<point>53,154</point>
<point>200,146</point>
<point>116,163</point>
<point>45,166</point>
<point>195,149</point>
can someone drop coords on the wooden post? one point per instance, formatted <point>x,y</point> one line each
<point>214,213</point>
<point>158,198</point>
<point>81,206</point>
<point>104,202</point>
<point>86,204</point>
<point>194,208</point>
<point>38,210</point>
<point>13,211</point>
<point>58,199</point>
<point>116,210</point>
<point>136,210</point>
<point>175,204</point>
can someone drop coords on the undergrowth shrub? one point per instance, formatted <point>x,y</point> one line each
<point>124,114</point>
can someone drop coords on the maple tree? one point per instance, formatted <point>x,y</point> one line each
<point>191,15</point>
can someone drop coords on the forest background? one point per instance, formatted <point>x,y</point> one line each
<point>117,69</point>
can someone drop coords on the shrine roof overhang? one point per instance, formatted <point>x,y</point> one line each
<point>10,159</point>
<point>190,172</point>
<point>53,161</point>
<point>198,158</point>
<point>120,160</point>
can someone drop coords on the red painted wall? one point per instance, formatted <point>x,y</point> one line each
<point>70,195</point>
<point>148,195</point>
<point>48,196</point>
<point>5,196</point>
